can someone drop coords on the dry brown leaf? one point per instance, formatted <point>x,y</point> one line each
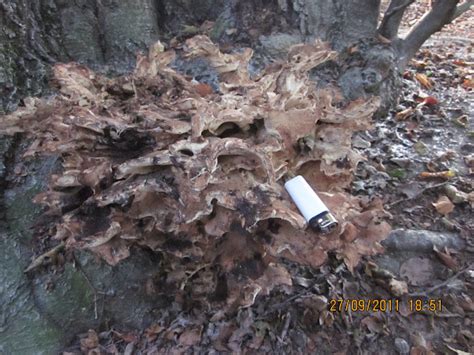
<point>468,83</point>
<point>418,270</point>
<point>448,174</point>
<point>424,80</point>
<point>275,275</point>
<point>398,288</point>
<point>404,114</point>
<point>190,336</point>
<point>152,332</point>
<point>444,205</point>
<point>90,342</point>
<point>446,259</point>
<point>373,324</point>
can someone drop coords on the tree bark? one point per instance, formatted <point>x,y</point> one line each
<point>393,18</point>
<point>441,13</point>
<point>462,8</point>
<point>106,34</point>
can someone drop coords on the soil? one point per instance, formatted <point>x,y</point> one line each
<point>430,131</point>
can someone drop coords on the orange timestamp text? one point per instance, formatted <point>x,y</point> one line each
<point>384,305</point>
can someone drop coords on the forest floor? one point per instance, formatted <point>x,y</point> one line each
<point>420,161</point>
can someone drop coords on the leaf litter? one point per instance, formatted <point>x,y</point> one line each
<point>424,145</point>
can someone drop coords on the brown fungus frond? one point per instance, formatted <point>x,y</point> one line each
<point>201,176</point>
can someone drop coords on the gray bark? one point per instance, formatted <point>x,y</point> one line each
<point>441,13</point>
<point>462,8</point>
<point>393,18</point>
<point>106,34</point>
<point>37,33</point>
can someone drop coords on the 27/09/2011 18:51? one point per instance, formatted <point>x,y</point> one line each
<point>385,305</point>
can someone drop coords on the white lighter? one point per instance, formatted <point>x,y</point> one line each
<point>310,205</point>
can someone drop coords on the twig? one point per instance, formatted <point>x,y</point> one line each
<point>191,275</point>
<point>134,88</point>
<point>94,291</point>
<point>91,286</point>
<point>303,294</point>
<point>442,284</point>
<point>284,331</point>
<point>44,258</point>
<point>417,195</point>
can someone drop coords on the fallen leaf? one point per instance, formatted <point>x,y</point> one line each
<point>152,332</point>
<point>373,324</point>
<point>421,148</point>
<point>446,259</point>
<point>458,352</point>
<point>419,64</point>
<point>424,80</point>
<point>462,121</point>
<point>203,89</point>
<point>444,205</point>
<point>460,62</point>
<point>466,303</point>
<point>398,288</point>
<point>90,342</point>
<point>430,101</point>
<point>455,195</point>
<point>190,336</point>
<point>418,270</point>
<point>468,83</point>
<point>449,174</point>
<point>419,340</point>
<point>404,114</point>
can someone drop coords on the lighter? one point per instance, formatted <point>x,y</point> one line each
<point>310,205</point>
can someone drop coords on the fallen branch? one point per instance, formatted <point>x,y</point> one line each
<point>417,195</point>
<point>45,258</point>
<point>191,274</point>
<point>442,284</point>
<point>286,326</point>
<point>278,306</point>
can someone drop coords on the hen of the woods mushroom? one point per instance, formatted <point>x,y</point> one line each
<point>158,160</point>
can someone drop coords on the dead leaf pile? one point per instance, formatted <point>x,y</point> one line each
<point>157,159</point>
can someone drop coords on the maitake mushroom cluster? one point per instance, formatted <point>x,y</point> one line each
<point>160,160</point>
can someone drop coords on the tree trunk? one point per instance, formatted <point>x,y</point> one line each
<point>106,34</point>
